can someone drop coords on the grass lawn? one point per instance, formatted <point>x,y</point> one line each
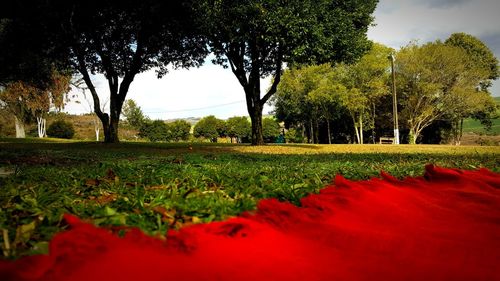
<point>474,126</point>
<point>165,186</point>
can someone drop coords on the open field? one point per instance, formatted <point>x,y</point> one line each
<point>163,186</point>
<point>474,126</point>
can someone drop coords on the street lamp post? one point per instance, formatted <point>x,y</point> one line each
<point>394,102</point>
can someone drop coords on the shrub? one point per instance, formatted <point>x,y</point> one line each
<point>179,130</point>
<point>294,136</point>
<point>61,129</point>
<point>238,127</point>
<point>155,131</point>
<point>210,127</point>
<point>270,129</point>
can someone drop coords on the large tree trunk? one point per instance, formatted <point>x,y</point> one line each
<point>373,122</point>
<point>356,129</point>
<point>311,132</point>
<point>96,128</point>
<point>19,128</point>
<point>256,118</point>
<point>251,84</point>
<point>361,128</point>
<point>412,138</point>
<point>461,132</point>
<point>254,107</point>
<point>118,91</point>
<point>329,134</point>
<point>316,131</point>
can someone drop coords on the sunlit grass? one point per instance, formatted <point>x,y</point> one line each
<point>161,186</point>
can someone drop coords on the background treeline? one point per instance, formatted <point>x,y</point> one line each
<point>236,129</point>
<point>438,85</point>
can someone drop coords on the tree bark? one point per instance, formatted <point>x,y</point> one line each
<point>412,139</point>
<point>254,107</point>
<point>316,131</point>
<point>356,130</point>
<point>20,133</point>
<point>311,132</point>
<point>373,123</point>
<point>361,128</point>
<point>461,131</point>
<point>256,118</point>
<point>329,134</point>
<point>236,56</point>
<point>41,124</point>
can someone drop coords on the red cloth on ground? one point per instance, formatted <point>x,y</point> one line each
<point>442,226</point>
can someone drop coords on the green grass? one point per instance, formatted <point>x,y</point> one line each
<point>474,126</point>
<point>162,186</point>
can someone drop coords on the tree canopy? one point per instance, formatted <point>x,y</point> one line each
<point>118,39</point>
<point>479,54</point>
<point>210,128</point>
<point>255,38</point>
<point>438,80</point>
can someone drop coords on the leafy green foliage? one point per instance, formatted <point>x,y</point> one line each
<point>238,127</point>
<point>116,38</point>
<point>436,81</point>
<point>133,114</point>
<point>61,129</point>
<point>179,130</point>
<point>270,129</point>
<point>156,130</point>
<point>255,38</point>
<point>480,55</point>
<point>294,136</point>
<point>324,92</point>
<point>210,128</point>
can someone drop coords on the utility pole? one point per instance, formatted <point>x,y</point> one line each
<point>394,101</point>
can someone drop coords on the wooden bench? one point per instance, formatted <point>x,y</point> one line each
<point>386,140</point>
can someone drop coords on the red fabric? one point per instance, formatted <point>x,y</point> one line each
<point>442,226</point>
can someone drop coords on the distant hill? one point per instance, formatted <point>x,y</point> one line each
<point>190,120</point>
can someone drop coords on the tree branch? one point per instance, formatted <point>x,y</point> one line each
<point>277,78</point>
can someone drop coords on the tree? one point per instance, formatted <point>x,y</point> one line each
<point>305,96</point>
<point>156,130</point>
<point>479,54</point>
<point>255,38</point>
<point>27,102</point>
<point>324,98</point>
<point>475,104</point>
<point>133,114</point>
<point>365,83</point>
<point>270,129</point>
<point>210,128</point>
<point>290,102</point>
<point>238,127</point>
<point>22,57</point>
<point>179,130</point>
<point>435,80</point>
<point>79,84</point>
<point>17,98</point>
<point>116,38</point>
<point>321,92</point>
<point>53,98</point>
<point>61,129</point>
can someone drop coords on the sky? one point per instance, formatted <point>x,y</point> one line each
<point>213,90</point>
